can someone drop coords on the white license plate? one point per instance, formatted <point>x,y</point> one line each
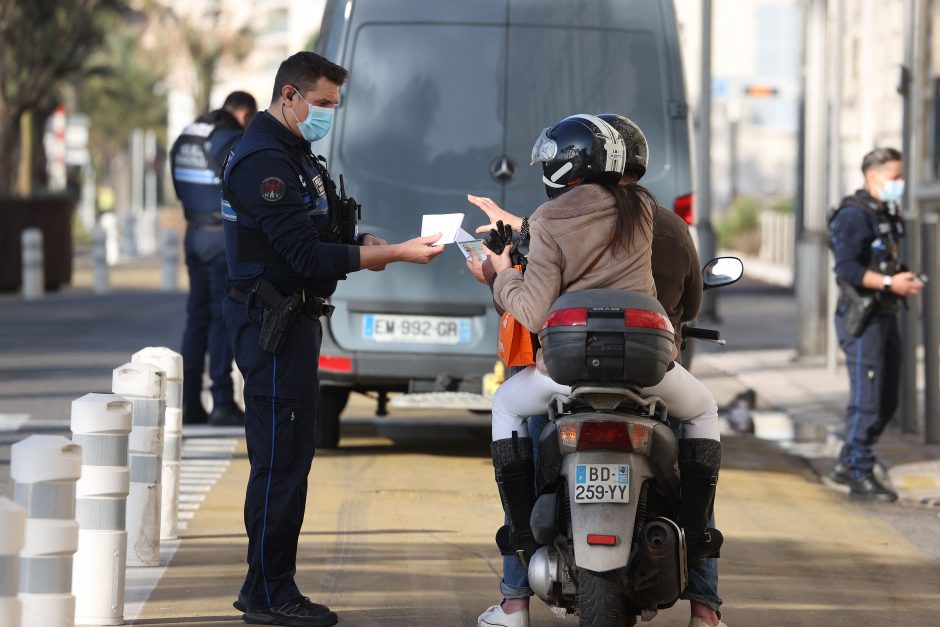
<point>416,329</point>
<point>602,483</point>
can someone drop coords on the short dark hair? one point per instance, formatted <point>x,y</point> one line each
<point>240,100</point>
<point>878,157</point>
<point>304,69</point>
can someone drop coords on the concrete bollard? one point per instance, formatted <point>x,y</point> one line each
<point>144,385</point>
<point>171,260</point>
<point>101,424</point>
<point>13,524</point>
<point>99,253</point>
<point>172,364</point>
<point>34,281</point>
<point>45,469</point>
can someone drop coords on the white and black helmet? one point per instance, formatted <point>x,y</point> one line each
<point>638,151</point>
<point>581,148</point>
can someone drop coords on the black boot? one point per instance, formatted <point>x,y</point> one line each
<point>699,461</point>
<point>515,476</point>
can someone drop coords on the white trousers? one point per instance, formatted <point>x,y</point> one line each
<point>527,393</point>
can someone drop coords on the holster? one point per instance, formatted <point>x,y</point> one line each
<point>861,307</point>
<point>277,317</point>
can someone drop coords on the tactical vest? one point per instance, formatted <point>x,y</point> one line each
<point>196,168</point>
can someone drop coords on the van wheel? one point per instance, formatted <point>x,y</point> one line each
<point>333,401</point>
<point>600,600</point>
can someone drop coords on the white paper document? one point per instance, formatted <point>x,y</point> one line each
<point>447,224</point>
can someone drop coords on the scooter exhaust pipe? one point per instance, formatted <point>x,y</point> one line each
<point>657,574</point>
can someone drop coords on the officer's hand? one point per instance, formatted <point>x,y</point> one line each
<point>420,249</point>
<point>499,262</point>
<point>906,284</point>
<point>495,213</point>
<point>371,240</point>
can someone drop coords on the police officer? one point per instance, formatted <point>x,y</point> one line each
<point>196,161</point>
<point>866,231</point>
<point>285,257</point>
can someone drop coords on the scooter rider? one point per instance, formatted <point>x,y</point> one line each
<point>591,234</point>
<point>284,259</point>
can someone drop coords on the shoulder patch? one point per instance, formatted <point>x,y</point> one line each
<point>272,189</point>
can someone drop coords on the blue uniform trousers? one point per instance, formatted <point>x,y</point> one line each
<point>205,330</point>
<point>280,409</point>
<point>873,360</point>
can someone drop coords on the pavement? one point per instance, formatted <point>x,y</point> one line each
<point>400,518</point>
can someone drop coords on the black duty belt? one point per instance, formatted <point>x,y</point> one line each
<point>204,218</point>
<point>264,295</point>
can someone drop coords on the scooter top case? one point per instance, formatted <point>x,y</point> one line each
<point>598,337</point>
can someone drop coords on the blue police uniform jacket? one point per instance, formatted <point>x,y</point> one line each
<point>195,163</point>
<point>865,235</point>
<point>274,198</point>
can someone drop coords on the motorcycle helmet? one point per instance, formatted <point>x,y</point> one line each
<point>581,148</point>
<point>638,151</point>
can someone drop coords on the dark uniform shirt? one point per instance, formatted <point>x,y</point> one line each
<point>279,198</point>
<point>195,163</point>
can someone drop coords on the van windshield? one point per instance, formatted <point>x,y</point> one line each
<point>425,105</point>
<point>556,72</point>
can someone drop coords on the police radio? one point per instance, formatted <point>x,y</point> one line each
<point>345,212</point>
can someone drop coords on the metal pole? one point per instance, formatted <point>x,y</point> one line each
<point>171,260</point>
<point>929,229</point>
<point>34,282</point>
<point>836,188</point>
<point>99,253</point>
<point>908,407</point>
<point>703,204</point>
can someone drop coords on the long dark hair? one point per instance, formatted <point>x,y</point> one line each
<point>635,206</point>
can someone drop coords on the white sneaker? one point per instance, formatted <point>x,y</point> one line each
<point>698,622</point>
<point>494,616</point>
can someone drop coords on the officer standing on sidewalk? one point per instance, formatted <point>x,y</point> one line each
<point>866,232</point>
<point>196,162</point>
<point>290,236</point>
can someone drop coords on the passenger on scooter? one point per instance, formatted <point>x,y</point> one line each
<point>593,233</point>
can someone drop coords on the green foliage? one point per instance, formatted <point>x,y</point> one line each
<point>785,204</point>
<point>742,216</point>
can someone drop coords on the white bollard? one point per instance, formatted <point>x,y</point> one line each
<point>45,469</point>
<point>172,364</point>
<point>171,260</point>
<point>34,281</point>
<point>129,236</point>
<point>13,524</point>
<point>101,424</point>
<point>99,253</point>
<point>144,386</point>
<point>112,237</point>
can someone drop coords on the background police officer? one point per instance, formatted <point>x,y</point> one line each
<point>284,259</point>
<point>866,231</point>
<point>196,162</point>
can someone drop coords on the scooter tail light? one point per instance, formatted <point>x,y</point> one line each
<point>569,434</point>
<point>602,434</point>
<point>645,319</point>
<point>601,539</point>
<point>575,317</point>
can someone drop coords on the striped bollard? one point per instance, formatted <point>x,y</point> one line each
<point>172,363</point>
<point>144,385</point>
<point>45,469</point>
<point>13,524</point>
<point>101,424</point>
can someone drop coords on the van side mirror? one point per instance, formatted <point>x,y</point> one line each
<point>722,271</point>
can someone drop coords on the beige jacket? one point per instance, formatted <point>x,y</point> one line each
<point>566,235</point>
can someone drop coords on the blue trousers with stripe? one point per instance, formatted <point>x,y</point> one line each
<point>873,360</point>
<point>281,395</point>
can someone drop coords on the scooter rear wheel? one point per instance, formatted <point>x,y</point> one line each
<point>600,600</point>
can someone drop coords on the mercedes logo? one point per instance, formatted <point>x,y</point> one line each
<point>502,168</point>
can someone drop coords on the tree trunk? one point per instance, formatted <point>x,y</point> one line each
<point>9,146</point>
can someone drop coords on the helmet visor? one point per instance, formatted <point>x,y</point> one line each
<point>544,149</point>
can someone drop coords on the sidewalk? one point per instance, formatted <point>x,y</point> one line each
<point>801,404</point>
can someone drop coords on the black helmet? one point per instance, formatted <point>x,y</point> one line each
<point>580,149</point>
<point>638,150</point>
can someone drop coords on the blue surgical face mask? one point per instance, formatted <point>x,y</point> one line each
<point>893,190</point>
<point>317,123</point>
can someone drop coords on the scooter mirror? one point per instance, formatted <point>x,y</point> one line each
<point>722,271</point>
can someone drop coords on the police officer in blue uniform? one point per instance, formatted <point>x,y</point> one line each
<point>866,232</point>
<point>196,161</point>
<point>288,242</point>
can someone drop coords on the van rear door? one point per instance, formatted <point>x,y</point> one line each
<point>588,56</point>
<point>421,124</point>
